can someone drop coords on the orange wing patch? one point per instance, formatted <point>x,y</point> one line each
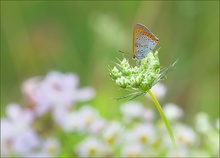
<point>137,30</point>
<point>150,36</point>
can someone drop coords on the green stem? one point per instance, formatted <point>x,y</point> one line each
<point>163,117</point>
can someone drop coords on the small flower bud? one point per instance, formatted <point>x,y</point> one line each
<point>124,63</point>
<point>115,73</point>
<point>122,82</point>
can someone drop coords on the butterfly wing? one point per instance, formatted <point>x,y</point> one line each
<point>144,41</point>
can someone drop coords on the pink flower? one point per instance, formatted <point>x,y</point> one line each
<point>16,132</point>
<point>55,91</point>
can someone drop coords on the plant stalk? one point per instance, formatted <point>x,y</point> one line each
<point>163,117</point>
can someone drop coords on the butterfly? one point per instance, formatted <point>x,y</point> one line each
<point>143,42</point>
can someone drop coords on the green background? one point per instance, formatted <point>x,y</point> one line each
<point>84,37</point>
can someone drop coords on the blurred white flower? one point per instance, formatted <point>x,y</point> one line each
<point>71,122</point>
<point>132,150</point>
<point>29,86</point>
<point>6,136</point>
<point>54,91</point>
<point>128,137</point>
<point>16,132</point>
<point>60,115</point>
<point>148,114</point>
<point>25,142</point>
<point>112,132</point>
<point>144,133</point>
<point>202,123</point>
<point>86,119</point>
<point>51,146</point>
<point>37,154</point>
<point>92,147</point>
<point>91,119</point>
<point>159,90</point>
<point>15,113</point>
<point>185,136</point>
<point>88,114</point>
<point>132,110</point>
<point>137,135</point>
<point>172,111</point>
<point>98,126</point>
<point>140,134</point>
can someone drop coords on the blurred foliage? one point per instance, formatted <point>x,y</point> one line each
<point>84,37</point>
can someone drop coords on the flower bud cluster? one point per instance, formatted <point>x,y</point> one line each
<point>139,77</point>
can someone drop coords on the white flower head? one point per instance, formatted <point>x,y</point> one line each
<point>86,119</point>
<point>132,150</point>
<point>172,111</point>
<point>88,114</point>
<point>112,131</point>
<point>144,133</point>
<point>159,90</point>
<point>131,110</point>
<point>51,146</point>
<point>98,126</point>
<point>203,124</point>
<point>91,119</point>
<point>72,121</point>
<point>92,147</point>
<point>148,114</point>
<point>185,136</point>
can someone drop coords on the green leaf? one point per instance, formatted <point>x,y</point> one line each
<point>164,72</point>
<point>132,95</point>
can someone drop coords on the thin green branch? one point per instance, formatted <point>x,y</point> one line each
<point>163,117</point>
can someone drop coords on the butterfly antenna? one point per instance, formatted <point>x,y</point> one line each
<point>123,52</point>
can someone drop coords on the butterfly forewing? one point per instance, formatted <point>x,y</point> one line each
<point>144,41</point>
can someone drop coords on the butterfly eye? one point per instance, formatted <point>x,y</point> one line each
<point>134,57</point>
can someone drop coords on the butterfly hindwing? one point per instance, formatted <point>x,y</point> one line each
<point>144,41</point>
